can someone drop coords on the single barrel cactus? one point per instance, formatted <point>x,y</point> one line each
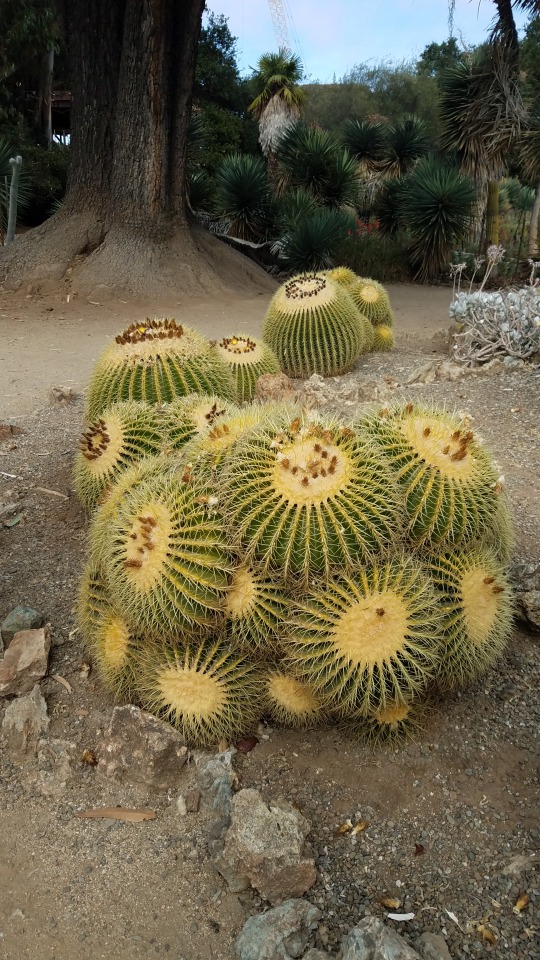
<point>108,637</point>
<point>255,608</point>
<point>448,479</point>
<point>313,326</point>
<point>291,702</point>
<point>372,300</point>
<point>248,359</point>
<point>156,361</point>
<point>194,416</point>
<point>383,338</point>
<point>305,496</point>
<point>393,723</point>
<point>165,555</point>
<point>124,434</point>
<point>208,690</point>
<point>367,639</point>
<point>476,612</point>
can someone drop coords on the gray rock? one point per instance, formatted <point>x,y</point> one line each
<point>20,618</point>
<point>217,780</point>
<point>25,721</point>
<point>371,940</point>
<point>193,800</point>
<point>431,946</point>
<point>525,580</point>
<point>142,749</point>
<point>315,954</point>
<point>265,845</point>
<point>54,761</point>
<point>25,662</point>
<point>280,934</point>
<point>275,386</point>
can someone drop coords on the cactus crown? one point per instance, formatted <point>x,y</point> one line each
<point>291,702</point>
<point>240,349</point>
<point>313,287</point>
<point>165,329</point>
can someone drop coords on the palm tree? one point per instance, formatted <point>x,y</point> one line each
<point>279,98</point>
<point>530,155</point>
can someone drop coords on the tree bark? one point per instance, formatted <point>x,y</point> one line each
<point>492,214</point>
<point>534,250</point>
<point>124,223</point>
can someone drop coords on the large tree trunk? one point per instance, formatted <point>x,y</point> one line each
<point>534,249</point>
<point>123,227</point>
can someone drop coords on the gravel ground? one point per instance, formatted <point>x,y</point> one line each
<point>448,814</point>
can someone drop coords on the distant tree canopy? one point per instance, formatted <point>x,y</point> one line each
<point>29,30</point>
<point>437,57</point>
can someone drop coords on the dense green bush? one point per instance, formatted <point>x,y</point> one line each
<point>371,253</point>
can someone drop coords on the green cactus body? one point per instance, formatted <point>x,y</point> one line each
<point>313,326</point>
<point>209,691</point>
<point>342,275</point>
<point>212,447</point>
<point>157,361</point>
<point>192,417</point>
<point>367,640</point>
<point>306,496</point>
<point>165,556</point>
<point>247,359</point>
<point>290,702</point>
<point>255,608</point>
<point>108,638</point>
<point>383,338</point>
<point>448,479</point>
<point>476,610</point>
<point>372,300</point>
<point>348,280</point>
<point>123,435</point>
<point>395,722</point>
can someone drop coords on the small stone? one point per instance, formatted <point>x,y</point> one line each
<point>275,386</point>
<point>371,940</point>
<point>216,780</point>
<point>315,954</point>
<point>266,844</point>
<point>25,721</point>
<point>193,799</point>
<point>140,748</point>
<point>279,934</point>
<point>18,619</point>
<point>181,806</point>
<point>25,662</point>
<point>63,395</point>
<point>431,946</point>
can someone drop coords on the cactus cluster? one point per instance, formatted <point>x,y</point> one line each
<point>264,560</point>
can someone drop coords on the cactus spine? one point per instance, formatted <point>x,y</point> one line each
<point>290,702</point>
<point>372,300</point>
<point>255,607</point>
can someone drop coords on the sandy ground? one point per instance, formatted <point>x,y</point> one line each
<point>466,791</point>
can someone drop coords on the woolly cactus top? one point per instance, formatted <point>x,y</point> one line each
<point>151,338</point>
<point>240,350</point>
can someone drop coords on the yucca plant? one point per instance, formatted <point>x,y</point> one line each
<point>437,208</point>
<point>366,142</point>
<point>244,196</point>
<point>314,242</point>
<point>200,189</point>
<point>406,142</point>
<point>279,97</point>
<point>316,161</point>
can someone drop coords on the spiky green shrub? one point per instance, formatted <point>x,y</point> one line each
<point>367,639</point>
<point>165,554</point>
<point>366,142</point>
<point>156,361</point>
<point>248,359</point>
<point>476,611</point>
<point>244,196</point>
<point>448,479</point>
<point>123,434</point>
<point>312,325</point>
<point>315,160</point>
<point>406,142</point>
<point>208,690</point>
<point>289,701</point>
<point>372,300</point>
<point>305,496</point>
<point>314,242</point>
<point>255,608</point>
<point>108,638</point>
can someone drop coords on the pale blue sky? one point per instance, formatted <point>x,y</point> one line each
<point>334,35</point>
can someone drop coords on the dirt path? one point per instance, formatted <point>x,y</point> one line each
<point>466,792</point>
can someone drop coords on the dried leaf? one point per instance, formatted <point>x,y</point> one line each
<point>247,744</point>
<point>402,917</point>
<point>63,682</point>
<point>521,903</point>
<point>223,746</point>
<point>522,862</point>
<point>487,935</point>
<point>90,758</point>
<point>52,493</point>
<point>419,849</point>
<point>390,903</point>
<point>344,828</point>
<point>453,917</point>
<point>118,813</point>
<point>360,827</point>
<point>85,670</point>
